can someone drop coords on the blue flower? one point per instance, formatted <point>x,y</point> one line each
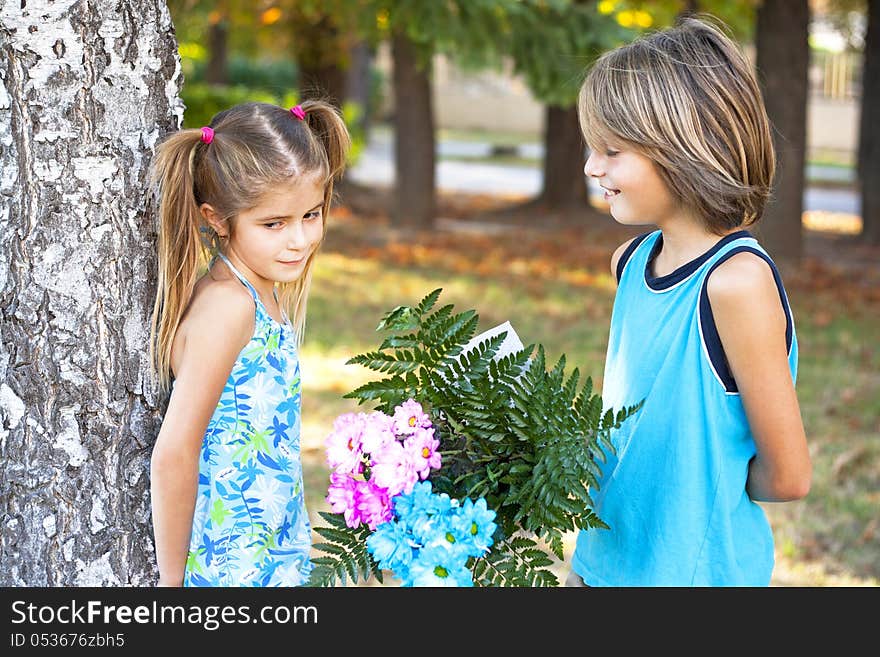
<point>474,522</point>
<point>431,538</point>
<point>437,566</point>
<point>421,510</point>
<point>419,500</point>
<point>391,546</point>
<point>444,531</point>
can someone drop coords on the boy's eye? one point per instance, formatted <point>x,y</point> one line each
<point>273,224</point>
<point>610,152</point>
<point>313,215</point>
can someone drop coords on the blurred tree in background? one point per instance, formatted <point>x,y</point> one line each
<point>783,59</point>
<point>280,50</point>
<point>552,44</point>
<point>869,129</point>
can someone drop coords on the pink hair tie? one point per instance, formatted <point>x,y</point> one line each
<point>207,135</point>
<point>298,112</point>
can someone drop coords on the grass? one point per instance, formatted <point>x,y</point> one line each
<point>555,287</point>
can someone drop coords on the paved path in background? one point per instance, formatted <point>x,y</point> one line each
<point>376,167</point>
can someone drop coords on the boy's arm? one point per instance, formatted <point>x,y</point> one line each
<point>751,325</point>
<point>217,330</point>
<point>615,258</point>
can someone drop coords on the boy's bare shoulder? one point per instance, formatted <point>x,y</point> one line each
<point>740,277</point>
<point>615,257</point>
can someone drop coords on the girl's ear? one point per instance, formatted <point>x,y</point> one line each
<point>214,220</point>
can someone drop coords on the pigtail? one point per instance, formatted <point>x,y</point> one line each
<point>327,132</point>
<point>231,164</point>
<point>180,248</point>
<point>326,124</point>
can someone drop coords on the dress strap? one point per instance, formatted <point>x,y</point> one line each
<point>284,316</point>
<point>244,281</point>
<point>254,292</point>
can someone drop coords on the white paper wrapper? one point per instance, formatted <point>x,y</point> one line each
<point>511,343</point>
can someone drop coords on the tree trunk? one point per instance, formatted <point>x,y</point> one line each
<point>88,89</point>
<point>322,57</point>
<point>869,130</point>
<point>358,86</point>
<point>327,82</point>
<point>414,141</point>
<point>218,70</point>
<point>690,8</point>
<point>564,184</point>
<point>782,60</point>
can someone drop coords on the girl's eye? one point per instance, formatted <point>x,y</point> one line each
<point>610,152</point>
<point>273,224</point>
<point>313,215</point>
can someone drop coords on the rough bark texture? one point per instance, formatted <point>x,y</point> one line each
<point>414,159</point>
<point>869,129</point>
<point>783,57</point>
<point>87,90</point>
<point>564,184</point>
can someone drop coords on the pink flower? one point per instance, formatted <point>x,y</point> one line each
<point>393,469</point>
<point>344,443</point>
<point>409,416</point>
<point>422,450</point>
<point>378,431</point>
<point>373,504</point>
<point>342,496</point>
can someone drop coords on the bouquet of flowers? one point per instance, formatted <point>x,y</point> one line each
<point>469,462</point>
<point>379,463</point>
<point>374,457</point>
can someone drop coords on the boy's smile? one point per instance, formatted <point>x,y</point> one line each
<point>632,185</point>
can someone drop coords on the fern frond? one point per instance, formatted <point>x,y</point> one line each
<point>511,430</point>
<point>516,562</point>
<point>348,549</point>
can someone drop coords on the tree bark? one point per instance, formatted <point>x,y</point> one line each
<point>782,60</point>
<point>564,184</point>
<point>869,130</point>
<point>87,90</point>
<point>414,141</point>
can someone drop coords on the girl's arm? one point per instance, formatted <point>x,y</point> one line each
<point>218,326</point>
<point>751,324</point>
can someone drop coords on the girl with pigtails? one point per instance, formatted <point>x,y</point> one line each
<point>243,208</point>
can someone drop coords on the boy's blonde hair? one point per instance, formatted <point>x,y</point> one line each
<point>255,147</point>
<point>687,99</point>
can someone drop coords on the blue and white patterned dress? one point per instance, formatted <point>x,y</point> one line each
<point>250,526</point>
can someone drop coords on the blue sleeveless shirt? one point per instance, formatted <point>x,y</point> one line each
<point>250,526</point>
<point>674,491</point>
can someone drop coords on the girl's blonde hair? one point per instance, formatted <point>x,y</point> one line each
<point>687,99</point>
<point>255,147</point>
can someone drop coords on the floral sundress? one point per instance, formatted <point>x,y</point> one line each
<point>250,526</point>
